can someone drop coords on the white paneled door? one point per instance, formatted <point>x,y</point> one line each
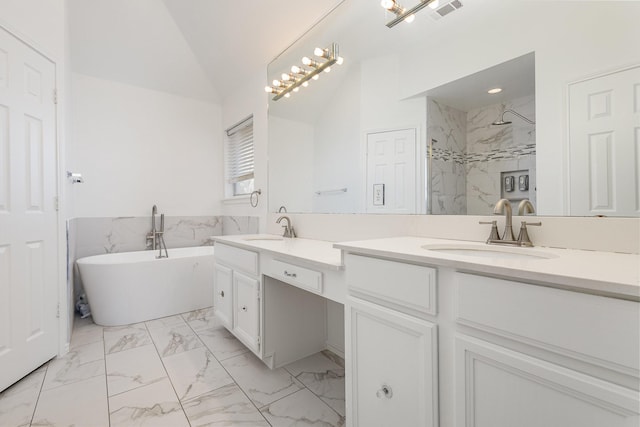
<point>604,145</point>
<point>28,216</point>
<point>391,172</point>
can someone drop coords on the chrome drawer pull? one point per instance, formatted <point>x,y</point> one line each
<point>385,391</point>
<point>286,273</point>
<point>222,294</point>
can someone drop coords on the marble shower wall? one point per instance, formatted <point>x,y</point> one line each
<point>94,236</point>
<point>495,149</point>
<point>469,154</point>
<point>447,131</point>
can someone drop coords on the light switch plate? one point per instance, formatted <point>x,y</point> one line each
<point>378,194</point>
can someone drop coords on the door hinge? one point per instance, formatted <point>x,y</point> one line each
<point>56,203</point>
<point>58,311</point>
<point>55,96</point>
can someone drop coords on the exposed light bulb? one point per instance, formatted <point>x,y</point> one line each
<point>286,77</point>
<point>340,60</point>
<point>295,89</point>
<point>387,4</point>
<point>305,84</point>
<point>306,61</point>
<point>268,89</point>
<point>409,19</point>
<point>276,83</point>
<point>434,4</point>
<point>320,52</point>
<point>327,70</point>
<point>316,77</point>
<point>295,69</point>
<point>287,95</point>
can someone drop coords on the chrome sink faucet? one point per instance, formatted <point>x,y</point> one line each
<point>288,229</point>
<point>524,208</point>
<point>504,206</point>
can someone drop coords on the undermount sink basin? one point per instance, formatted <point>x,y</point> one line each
<point>495,252</point>
<point>255,238</point>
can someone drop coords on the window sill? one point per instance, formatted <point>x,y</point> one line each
<point>237,200</point>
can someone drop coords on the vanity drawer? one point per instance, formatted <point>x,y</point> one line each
<point>238,259</point>
<point>301,277</point>
<point>402,285</point>
<point>574,324</point>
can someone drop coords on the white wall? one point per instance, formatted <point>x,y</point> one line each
<point>40,22</point>
<point>138,147</point>
<point>571,40</point>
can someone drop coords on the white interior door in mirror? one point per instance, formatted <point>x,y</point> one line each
<point>391,172</point>
<point>604,145</point>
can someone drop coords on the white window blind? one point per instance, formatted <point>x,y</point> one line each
<point>239,149</point>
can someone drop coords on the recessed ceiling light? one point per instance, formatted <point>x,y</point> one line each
<point>494,90</point>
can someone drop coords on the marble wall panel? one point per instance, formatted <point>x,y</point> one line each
<point>446,129</point>
<point>492,150</point>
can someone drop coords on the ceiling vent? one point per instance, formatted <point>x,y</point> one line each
<point>445,9</point>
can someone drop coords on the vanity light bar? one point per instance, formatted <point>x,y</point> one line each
<point>404,14</point>
<point>300,76</point>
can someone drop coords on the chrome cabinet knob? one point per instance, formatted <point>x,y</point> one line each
<point>244,308</point>
<point>385,391</point>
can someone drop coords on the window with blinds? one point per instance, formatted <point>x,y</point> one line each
<point>239,157</point>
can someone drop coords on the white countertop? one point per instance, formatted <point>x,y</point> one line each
<point>604,273</point>
<point>317,252</point>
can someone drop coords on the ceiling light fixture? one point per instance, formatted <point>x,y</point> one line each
<point>299,76</point>
<point>494,90</point>
<point>402,14</point>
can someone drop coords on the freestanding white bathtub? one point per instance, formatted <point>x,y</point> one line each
<point>131,287</point>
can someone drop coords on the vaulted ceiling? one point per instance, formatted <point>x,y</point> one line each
<point>202,49</point>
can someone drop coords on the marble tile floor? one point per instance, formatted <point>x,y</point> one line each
<point>183,370</point>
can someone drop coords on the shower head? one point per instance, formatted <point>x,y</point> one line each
<point>501,120</point>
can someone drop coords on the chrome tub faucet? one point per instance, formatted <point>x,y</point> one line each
<point>155,238</point>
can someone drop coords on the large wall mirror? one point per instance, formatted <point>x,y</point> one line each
<point>404,122</point>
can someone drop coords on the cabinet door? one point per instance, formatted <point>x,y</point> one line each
<point>223,294</point>
<point>497,387</point>
<point>392,380</point>
<point>246,310</point>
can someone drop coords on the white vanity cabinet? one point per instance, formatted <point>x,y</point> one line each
<point>441,342</point>
<point>223,294</point>
<point>282,298</point>
<point>237,293</point>
<point>392,372</point>
<point>537,356</point>
<point>246,310</point>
